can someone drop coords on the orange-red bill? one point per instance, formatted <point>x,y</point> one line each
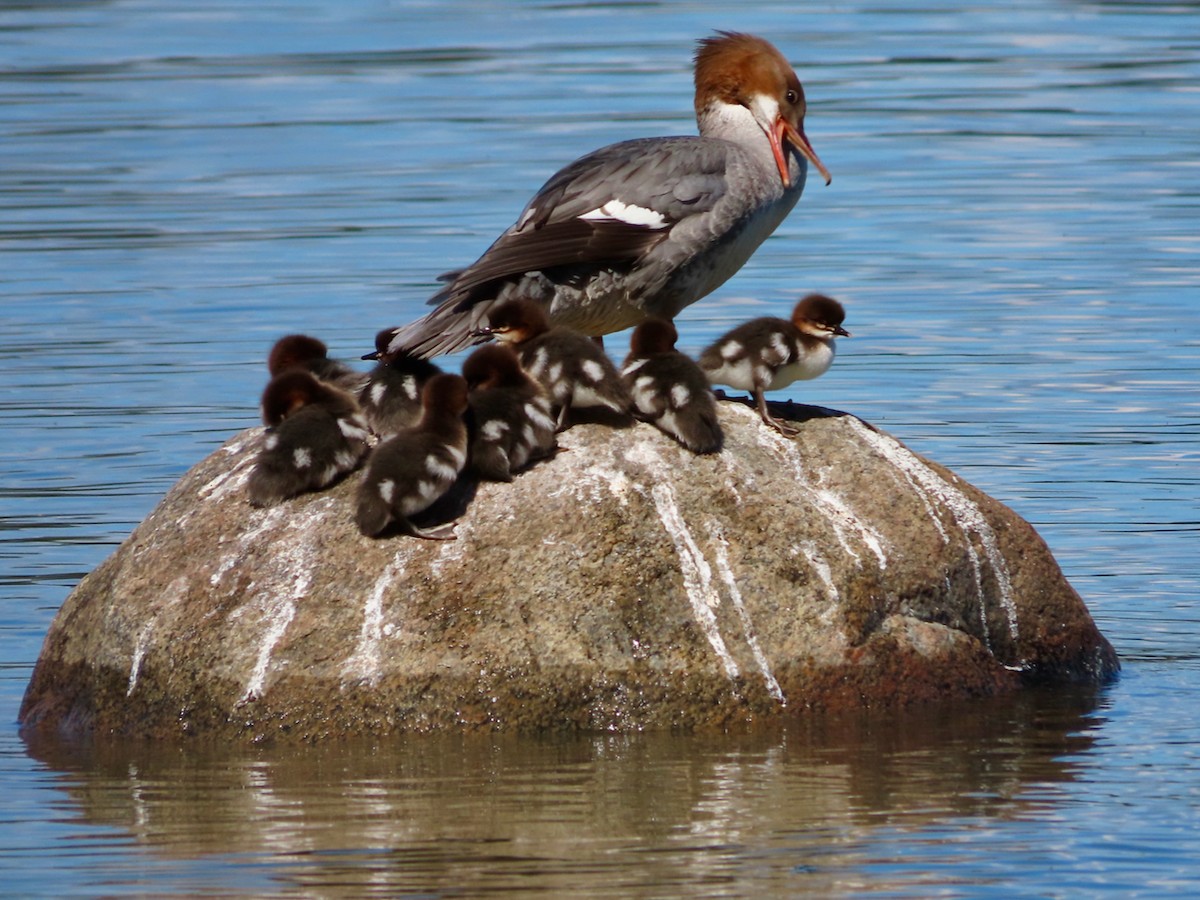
<point>796,137</point>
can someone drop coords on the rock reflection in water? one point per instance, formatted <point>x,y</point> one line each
<point>804,808</point>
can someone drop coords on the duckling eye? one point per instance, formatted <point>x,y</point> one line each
<point>791,96</point>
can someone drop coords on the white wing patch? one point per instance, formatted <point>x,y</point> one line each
<point>354,429</point>
<point>387,490</point>
<point>458,455</point>
<point>439,468</point>
<point>593,370</point>
<point>634,366</point>
<point>539,414</point>
<point>616,211</point>
<point>302,458</point>
<point>494,429</point>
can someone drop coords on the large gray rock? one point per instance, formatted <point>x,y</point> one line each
<point>623,584</point>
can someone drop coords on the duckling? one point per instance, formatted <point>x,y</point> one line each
<point>767,354</point>
<point>573,368</point>
<point>391,397</point>
<point>510,414</point>
<point>316,434</point>
<point>413,468</point>
<point>669,390</point>
<point>302,351</point>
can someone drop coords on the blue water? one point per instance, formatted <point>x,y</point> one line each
<point>1013,226</point>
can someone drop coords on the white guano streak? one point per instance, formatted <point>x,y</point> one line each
<point>735,595</point>
<point>173,593</point>
<point>840,516</point>
<point>364,663</point>
<point>278,601</point>
<point>967,516</point>
<point>697,575</point>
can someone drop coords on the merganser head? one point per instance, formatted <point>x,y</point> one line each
<point>515,321</point>
<point>493,365</point>
<point>382,340</point>
<point>734,69</point>
<point>288,392</point>
<point>444,396</point>
<point>653,336</point>
<point>820,316</point>
<point>295,351</point>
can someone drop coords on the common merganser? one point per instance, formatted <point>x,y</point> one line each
<point>316,434</point>
<point>669,390</point>
<point>303,351</point>
<point>391,397</point>
<point>509,414</point>
<point>573,368</point>
<point>415,467</point>
<point>767,354</point>
<point>645,227</point>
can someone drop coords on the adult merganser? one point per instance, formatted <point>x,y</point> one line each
<point>573,368</point>
<point>509,415</point>
<point>414,467</point>
<point>669,390</point>
<point>391,397</point>
<point>303,351</point>
<point>316,434</point>
<point>767,354</point>
<point>646,227</point>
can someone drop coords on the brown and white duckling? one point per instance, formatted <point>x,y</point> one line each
<point>573,368</point>
<point>316,434</point>
<point>767,354</point>
<point>302,351</point>
<point>510,418</point>
<point>413,468</point>
<point>391,397</point>
<point>669,390</point>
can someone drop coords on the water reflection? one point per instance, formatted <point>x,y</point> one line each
<point>452,813</point>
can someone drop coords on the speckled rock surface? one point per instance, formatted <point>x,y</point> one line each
<point>623,584</point>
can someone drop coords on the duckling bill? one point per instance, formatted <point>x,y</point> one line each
<point>391,396</point>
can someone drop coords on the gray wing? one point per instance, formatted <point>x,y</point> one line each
<point>605,210</point>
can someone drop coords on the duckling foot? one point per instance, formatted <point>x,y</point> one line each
<point>440,533</point>
<point>785,430</point>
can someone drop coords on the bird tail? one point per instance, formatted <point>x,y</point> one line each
<point>446,329</point>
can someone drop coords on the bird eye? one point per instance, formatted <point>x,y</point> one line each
<point>791,96</point>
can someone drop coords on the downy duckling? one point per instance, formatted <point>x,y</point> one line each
<point>669,389</point>
<point>302,351</point>
<point>573,368</point>
<point>391,397</point>
<point>510,414</point>
<point>316,435</point>
<point>413,468</point>
<point>767,354</point>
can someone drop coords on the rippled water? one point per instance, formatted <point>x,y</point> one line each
<point>1013,226</point>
